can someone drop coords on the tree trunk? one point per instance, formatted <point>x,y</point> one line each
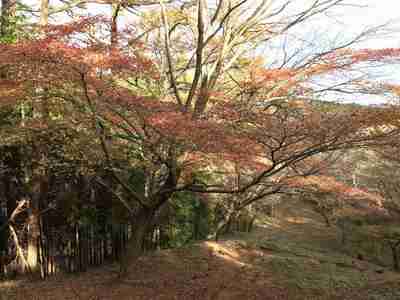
<point>39,192</point>
<point>33,239</point>
<point>115,9</point>
<point>219,230</point>
<point>395,256</point>
<point>251,224</point>
<point>141,227</point>
<point>11,178</point>
<point>344,234</point>
<point>44,12</point>
<point>326,219</point>
<point>225,225</point>
<point>196,224</point>
<point>3,242</point>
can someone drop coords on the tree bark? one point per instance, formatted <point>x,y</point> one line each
<point>395,255</point>
<point>225,225</point>
<point>251,224</point>
<point>44,12</point>
<point>327,220</point>
<point>11,178</point>
<point>3,242</point>
<point>33,228</point>
<point>33,239</point>
<point>141,226</point>
<point>39,192</point>
<point>115,9</point>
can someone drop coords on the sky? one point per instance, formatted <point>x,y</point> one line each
<point>341,23</point>
<point>351,18</point>
<point>348,18</point>
<point>375,12</point>
<point>345,22</point>
<point>378,12</point>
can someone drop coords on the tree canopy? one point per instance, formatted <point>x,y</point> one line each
<point>183,93</point>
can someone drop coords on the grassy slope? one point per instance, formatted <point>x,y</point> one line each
<point>294,258</point>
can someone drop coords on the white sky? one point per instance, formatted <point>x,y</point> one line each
<point>376,12</point>
<point>339,23</point>
<point>379,12</point>
<point>348,18</point>
<point>347,21</point>
<point>343,23</point>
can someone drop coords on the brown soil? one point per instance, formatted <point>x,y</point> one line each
<point>282,260</point>
<point>206,271</point>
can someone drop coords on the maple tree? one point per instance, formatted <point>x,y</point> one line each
<point>181,117</point>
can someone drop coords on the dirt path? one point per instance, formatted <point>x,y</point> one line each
<point>205,271</point>
<point>290,260</point>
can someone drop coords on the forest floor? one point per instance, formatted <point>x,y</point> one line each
<point>293,258</point>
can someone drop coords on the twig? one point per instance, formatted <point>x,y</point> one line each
<point>19,209</point>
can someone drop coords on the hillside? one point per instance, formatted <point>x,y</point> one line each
<point>297,257</point>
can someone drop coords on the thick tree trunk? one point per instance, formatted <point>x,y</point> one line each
<point>141,226</point>
<point>326,219</point>
<point>251,224</point>
<point>39,192</point>
<point>44,12</point>
<point>33,229</point>
<point>225,225</point>
<point>33,239</point>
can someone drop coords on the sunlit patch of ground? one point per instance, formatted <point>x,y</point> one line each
<point>299,220</point>
<point>281,259</point>
<point>7,284</point>
<point>229,254</point>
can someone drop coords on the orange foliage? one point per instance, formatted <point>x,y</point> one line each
<point>265,143</point>
<point>331,185</point>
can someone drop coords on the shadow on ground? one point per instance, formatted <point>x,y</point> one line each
<point>294,258</point>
